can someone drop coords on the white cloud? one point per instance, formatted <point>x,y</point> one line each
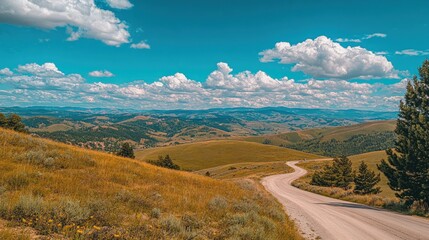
<point>355,40</point>
<point>140,45</point>
<point>412,52</point>
<point>358,40</point>
<point>101,73</point>
<point>375,35</point>
<point>6,71</point>
<point>119,4</point>
<point>81,17</point>
<point>324,58</point>
<point>44,70</point>
<point>33,84</point>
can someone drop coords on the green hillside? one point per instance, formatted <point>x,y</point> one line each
<point>336,141</point>
<point>201,155</point>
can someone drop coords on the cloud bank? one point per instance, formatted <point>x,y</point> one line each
<point>45,84</point>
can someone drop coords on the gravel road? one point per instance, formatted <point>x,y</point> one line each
<point>320,217</point>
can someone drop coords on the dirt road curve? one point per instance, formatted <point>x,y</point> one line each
<point>327,218</point>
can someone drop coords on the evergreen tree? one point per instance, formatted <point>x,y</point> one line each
<point>407,168</point>
<point>338,174</point>
<point>365,180</point>
<point>3,120</point>
<point>126,151</point>
<point>165,162</point>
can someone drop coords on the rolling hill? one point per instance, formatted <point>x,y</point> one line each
<point>62,191</point>
<point>201,155</point>
<point>335,141</point>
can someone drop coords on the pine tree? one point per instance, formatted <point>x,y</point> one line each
<point>126,151</point>
<point>365,180</point>
<point>407,168</point>
<point>338,174</point>
<point>3,120</point>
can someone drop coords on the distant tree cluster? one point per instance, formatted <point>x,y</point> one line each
<point>165,162</point>
<point>13,121</point>
<point>356,144</point>
<point>340,174</point>
<point>126,151</point>
<point>407,168</point>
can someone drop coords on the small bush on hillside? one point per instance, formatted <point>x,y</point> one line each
<point>171,225</point>
<point>218,203</point>
<point>17,180</point>
<point>28,206</point>
<point>13,121</point>
<point>165,162</point>
<point>155,213</point>
<point>126,151</point>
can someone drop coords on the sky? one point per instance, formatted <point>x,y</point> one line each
<point>191,54</point>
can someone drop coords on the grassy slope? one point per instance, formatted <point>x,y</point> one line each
<point>59,189</point>
<point>201,155</point>
<point>339,133</point>
<point>247,170</point>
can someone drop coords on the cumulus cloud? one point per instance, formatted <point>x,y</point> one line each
<point>140,45</point>
<point>45,84</point>
<point>6,71</point>
<point>44,70</point>
<point>119,4</point>
<point>101,73</point>
<point>323,58</point>
<point>412,52</point>
<point>81,17</point>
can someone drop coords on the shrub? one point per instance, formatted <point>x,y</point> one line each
<point>68,211</point>
<point>28,206</point>
<point>17,180</point>
<point>165,162</point>
<point>217,203</point>
<point>171,225</point>
<point>155,213</point>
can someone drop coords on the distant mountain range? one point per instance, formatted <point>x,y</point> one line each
<point>105,129</point>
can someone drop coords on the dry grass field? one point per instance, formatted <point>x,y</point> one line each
<point>68,192</point>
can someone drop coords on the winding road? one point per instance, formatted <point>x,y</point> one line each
<point>320,217</point>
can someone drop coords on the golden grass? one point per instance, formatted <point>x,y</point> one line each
<point>255,170</point>
<point>202,155</point>
<point>59,189</point>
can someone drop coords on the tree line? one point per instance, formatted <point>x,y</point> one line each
<point>340,174</point>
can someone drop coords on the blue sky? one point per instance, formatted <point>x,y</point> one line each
<point>184,43</point>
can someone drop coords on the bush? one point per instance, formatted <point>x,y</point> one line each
<point>165,162</point>
<point>218,203</point>
<point>171,225</point>
<point>16,181</point>
<point>28,206</point>
<point>155,213</point>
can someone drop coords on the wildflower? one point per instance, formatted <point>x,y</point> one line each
<point>79,231</point>
<point>96,227</point>
<point>117,235</point>
<point>50,221</point>
<point>23,220</point>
